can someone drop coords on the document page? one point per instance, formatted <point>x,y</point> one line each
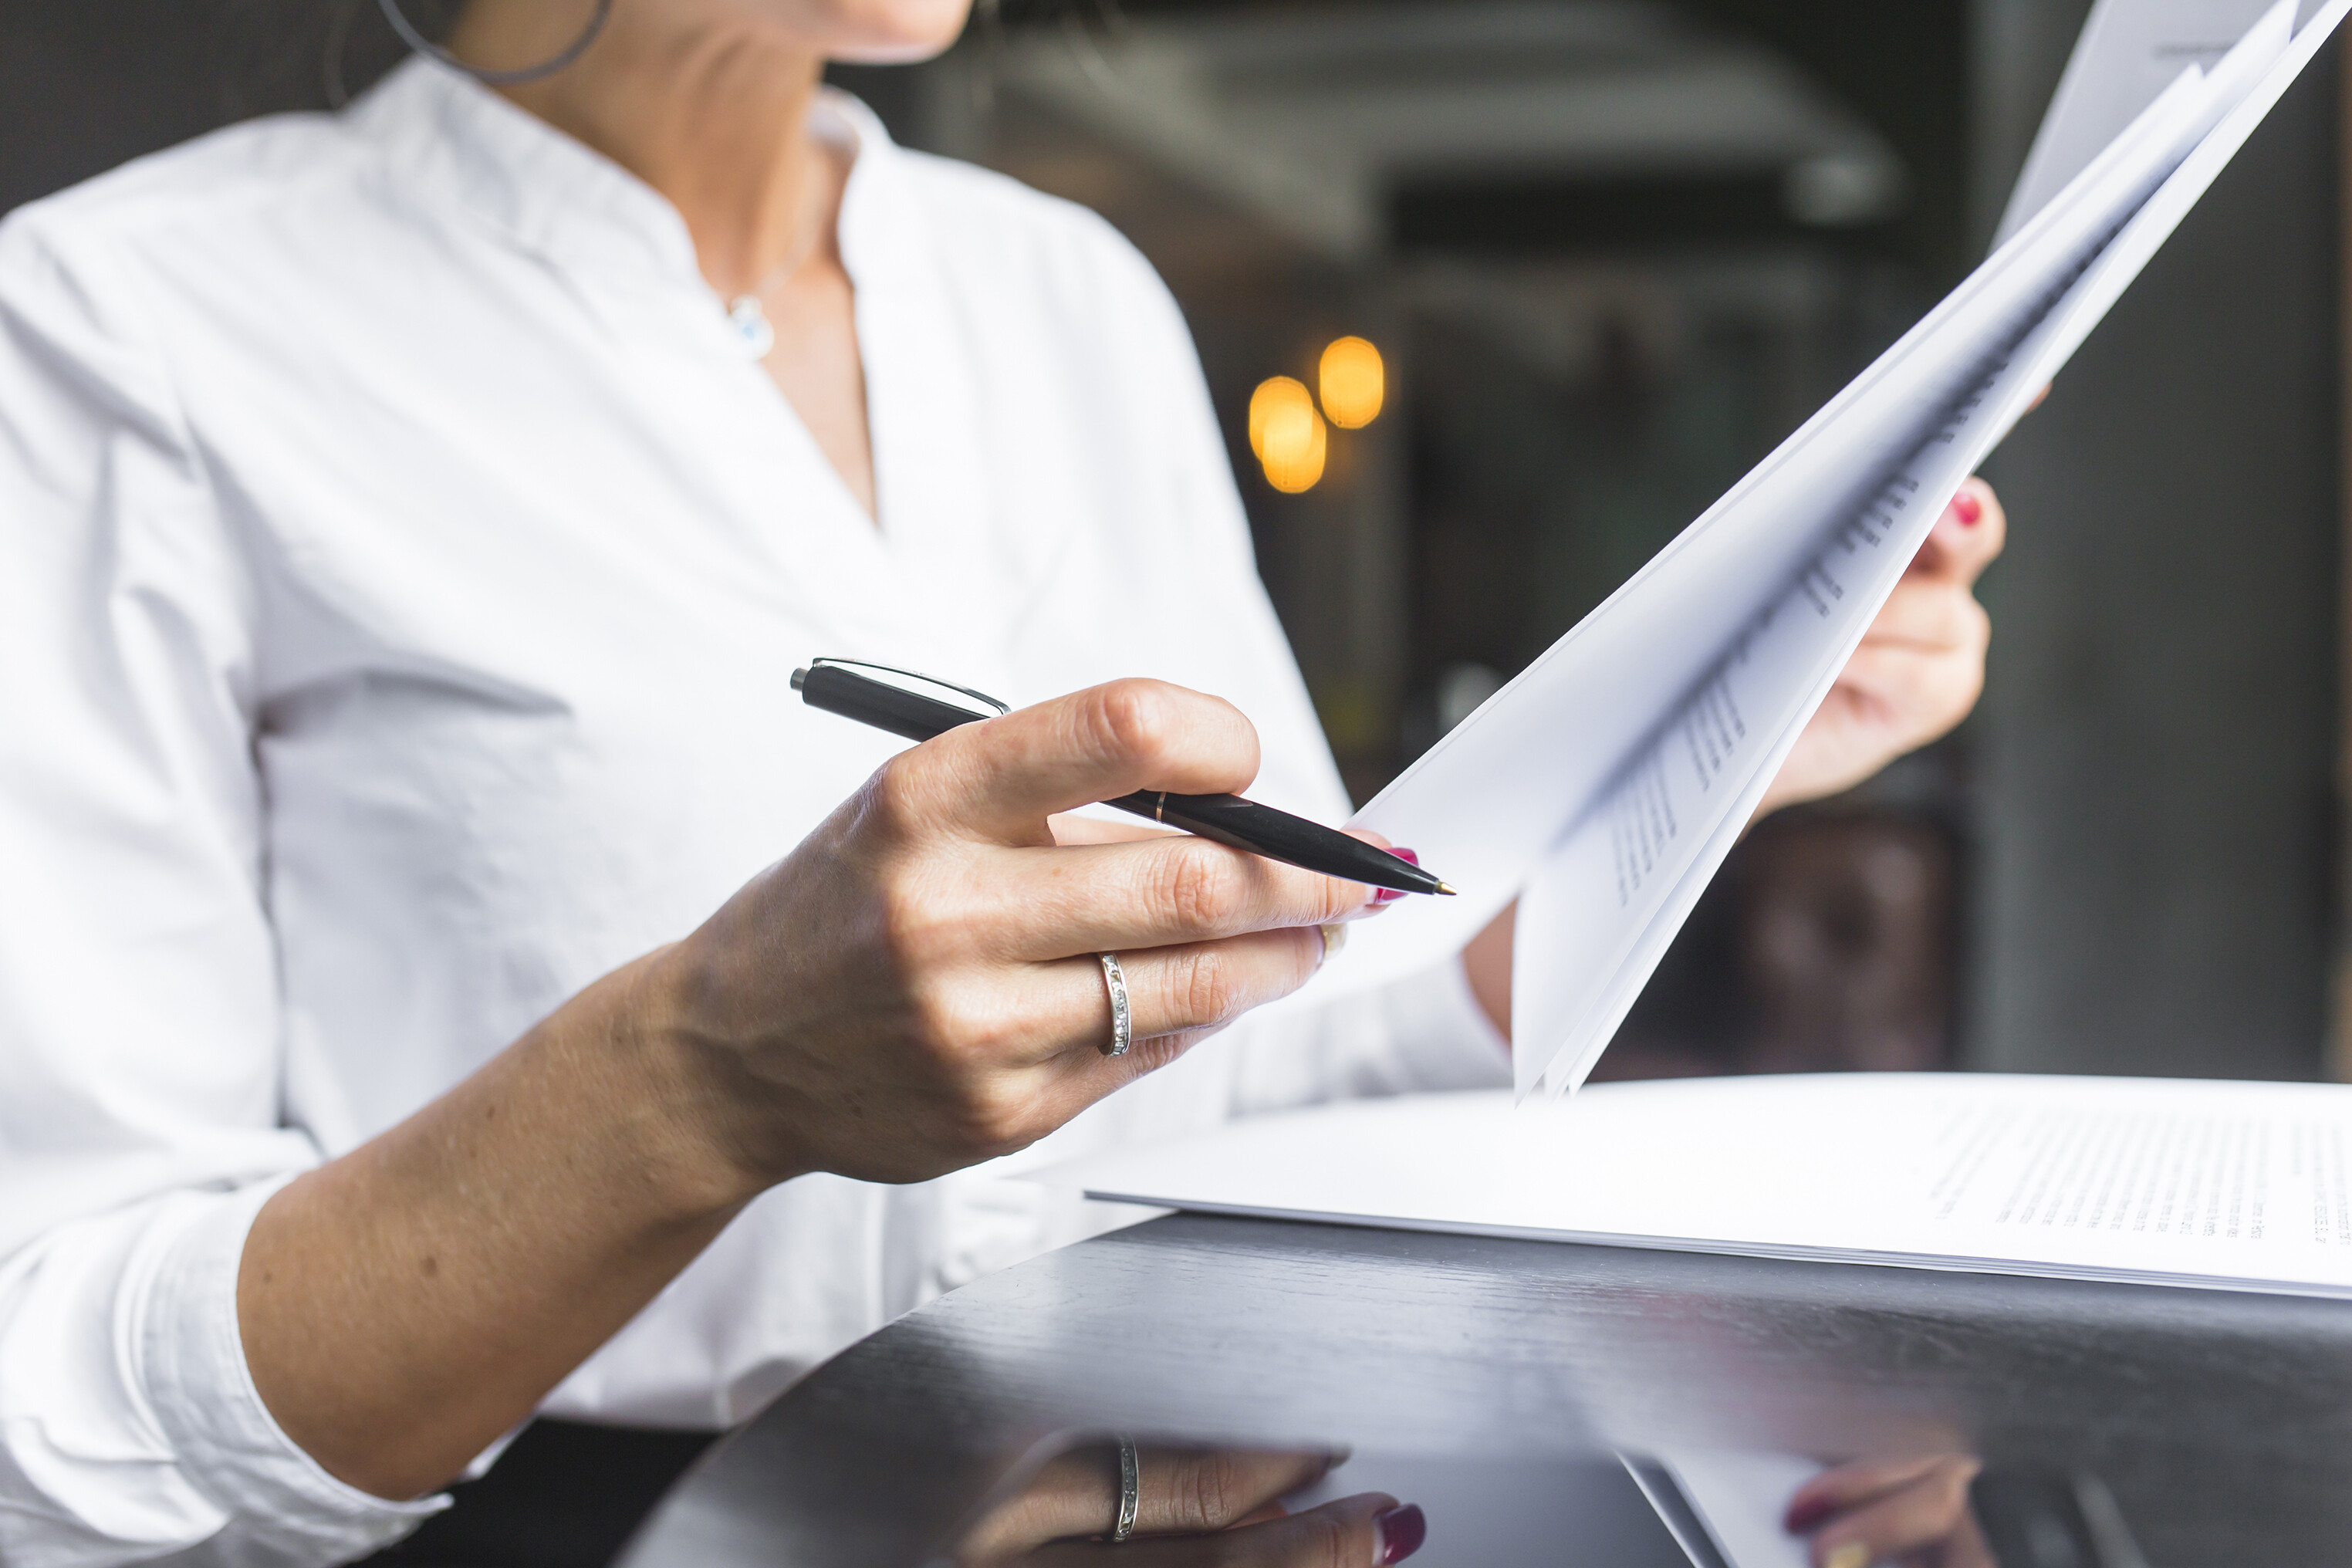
<point>1604,787</point>
<point>2127,53</point>
<point>2242,1186</point>
<point>1724,1506</point>
<point>1665,824</point>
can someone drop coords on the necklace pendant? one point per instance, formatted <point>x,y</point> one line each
<point>751,328</point>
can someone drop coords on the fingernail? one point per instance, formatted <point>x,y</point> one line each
<point>1852,1554</point>
<point>1407,856</point>
<point>1385,896</point>
<point>1335,937</point>
<point>1967,509</point>
<point>1400,1531</point>
<point>1806,1513</point>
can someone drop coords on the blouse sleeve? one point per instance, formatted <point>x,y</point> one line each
<point>140,1058</point>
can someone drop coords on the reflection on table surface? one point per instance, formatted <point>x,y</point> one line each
<point>1316,1507</point>
<point>1288,1385</point>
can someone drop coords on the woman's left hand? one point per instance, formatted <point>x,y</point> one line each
<point>1916,675</point>
<point>1919,667</point>
<point>1915,1512</point>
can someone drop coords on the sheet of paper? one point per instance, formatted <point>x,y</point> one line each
<point>1580,962</point>
<point>1499,787</point>
<point>1604,785</point>
<point>2129,51</point>
<point>1595,920</point>
<point>1733,1500</point>
<point>2241,1185</point>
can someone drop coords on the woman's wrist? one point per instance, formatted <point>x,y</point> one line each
<point>404,1303</point>
<point>1486,964</point>
<point>685,1113</point>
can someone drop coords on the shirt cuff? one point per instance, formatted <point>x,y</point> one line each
<point>1441,1035</point>
<point>282,1505</point>
<point>1416,1035</point>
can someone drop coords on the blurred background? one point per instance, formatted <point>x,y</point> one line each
<point>1495,296</point>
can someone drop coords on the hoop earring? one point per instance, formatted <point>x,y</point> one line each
<point>547,67</point>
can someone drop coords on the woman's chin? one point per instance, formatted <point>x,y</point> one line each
<point>886,32</point>
<point>891,53</point>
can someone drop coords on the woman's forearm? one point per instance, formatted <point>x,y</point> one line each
<point>1487,963</point>
<point>404,1305</point>
<point>911,991</point>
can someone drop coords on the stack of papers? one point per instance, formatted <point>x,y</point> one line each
<point>1724,1507</point>
<point>1603,788</point>
<point>2129,52</point>
<point>2230,1185</point>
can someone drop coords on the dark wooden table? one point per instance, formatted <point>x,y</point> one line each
<point>2220,1423</point>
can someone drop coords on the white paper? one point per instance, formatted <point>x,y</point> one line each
<point>2238,1185</point>
<point>1788,661</point>
<point>1604,785</point>
<point>2129,51</point>
<point>1736,1498</point>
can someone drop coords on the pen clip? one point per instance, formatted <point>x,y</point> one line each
<point>861,667</point>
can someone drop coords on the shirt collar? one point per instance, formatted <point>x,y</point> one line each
<point>562,199</point>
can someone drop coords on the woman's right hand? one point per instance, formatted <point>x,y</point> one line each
<point>914,989</point>
<point>911,990</point>
<point>1196,1507</point>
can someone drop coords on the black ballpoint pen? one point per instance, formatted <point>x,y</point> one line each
<point>837,685</point>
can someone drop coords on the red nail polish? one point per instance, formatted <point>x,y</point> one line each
<point>1406,855</point>
<point>1805,1513</point>
<point>1401,1530</point>
<point>1970,509</point>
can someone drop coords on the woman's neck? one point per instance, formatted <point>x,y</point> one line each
<point>706,105</point>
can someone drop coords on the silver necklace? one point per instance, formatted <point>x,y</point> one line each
<point>749,319</point>
<point>747,313</point>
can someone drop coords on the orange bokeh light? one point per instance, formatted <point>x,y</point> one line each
<point>1287,434</point>
<point>1296,445</point>
<point>1354,382</point>
<point>1275,395</point>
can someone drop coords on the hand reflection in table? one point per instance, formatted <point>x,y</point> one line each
<point>1199,1506</point>
<point>1195,1506</point>
<point>1915,1512</point>
<point>1950,1511</point>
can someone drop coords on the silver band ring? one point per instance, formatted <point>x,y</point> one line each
<point>1122,1017</point>
<point>1130,1491</point>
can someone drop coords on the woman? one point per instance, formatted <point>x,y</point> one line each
<point>409,532</point>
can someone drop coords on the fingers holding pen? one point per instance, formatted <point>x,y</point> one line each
<point>1158,892</point>
<point>1038,1043</point>
<point>1184,900</point>
<point>970,822</point>
<point>914,988</point>
<point>1177,996</point>
<point>1000,780</point>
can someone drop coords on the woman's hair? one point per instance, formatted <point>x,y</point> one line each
<point>277,55</point>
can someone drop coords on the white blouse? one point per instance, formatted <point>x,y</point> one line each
<point>402,565</point>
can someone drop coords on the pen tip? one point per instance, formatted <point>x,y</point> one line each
<point>1446,891</point>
